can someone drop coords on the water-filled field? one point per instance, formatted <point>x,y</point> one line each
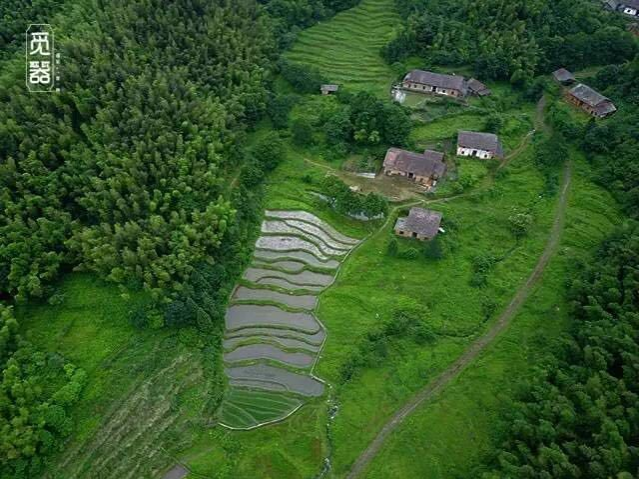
<point>272,338</point>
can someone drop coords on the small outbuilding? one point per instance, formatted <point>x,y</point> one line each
<point>329,89</point>
<point>591,101</point>
<point>477,88</point>
<point>481,145</point>
<point>421,224</point>
<point>563,76</point>
<point>424,168</point>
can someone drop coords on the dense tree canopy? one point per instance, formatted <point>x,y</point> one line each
<point>613,145</point>
<point>124,172</point>
<point>511,40</point>
<point>580,416</point>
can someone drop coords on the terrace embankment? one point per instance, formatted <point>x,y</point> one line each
<point>272,338</point>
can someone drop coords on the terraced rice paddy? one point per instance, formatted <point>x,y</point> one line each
<point>272,337</point>
<point>346,48</point>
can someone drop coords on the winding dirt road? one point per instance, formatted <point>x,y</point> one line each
<point>480,344</point>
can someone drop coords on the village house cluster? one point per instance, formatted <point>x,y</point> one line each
<point>586,98</point>
<point>427,168</point>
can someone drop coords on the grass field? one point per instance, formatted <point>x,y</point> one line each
<point>458,430</point>
<point>346,48</point>
<point>143,388</point>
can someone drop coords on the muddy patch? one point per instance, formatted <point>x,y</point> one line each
<point>305,278</point>
<point>286,266</point>
<point>304,301</point>
<point>264,376</point>
<point>314,220</point>
<point>287,343</point>
<point>254,352</point>
<point>244,315</point>
<point>277,227</point>
<point>312,338</point>
<point>290,243</point>
<point>307,258</point>
<point>319,233</point>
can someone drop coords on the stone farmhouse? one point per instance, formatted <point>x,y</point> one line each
<point>563,76</point>
<point>481,145</point>
<point>420,223</point>
<point>435,83</point>
<point>629,7</point>
<point>591,101</point>
<point>424,168</point>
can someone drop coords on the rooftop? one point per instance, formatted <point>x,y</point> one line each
<point>453,82</point>
<point>563,75</point>
<point>480,141</point>
<point>430,163</point>
<point>421,221</point>
<point>478,87</point>
<point>588,95</point>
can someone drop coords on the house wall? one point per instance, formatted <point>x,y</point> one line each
<point>483,154</point>
<point>584,106</point>
<point>425,180</point>
<point>408,234</point>
<point>421,88</point>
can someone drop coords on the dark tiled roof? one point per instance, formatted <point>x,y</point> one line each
<point>478,87</point>
<point>480,141</point>
<point>431,163</point>
<point>452,82</point>
<point>605,108</point>
<point>563,75</point>
<point>588,95</point>
<point>629,3</point>
<point>421,221</point>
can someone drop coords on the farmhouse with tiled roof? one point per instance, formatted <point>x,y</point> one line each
<point>591,101</point>
<point>481,145</point>
<point>420,223</point>
<point>424,168</point>
<point>436,83</point>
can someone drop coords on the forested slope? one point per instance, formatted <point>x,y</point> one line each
<point>511,40</point>
<point>579,417</point>
<point>136,171</point>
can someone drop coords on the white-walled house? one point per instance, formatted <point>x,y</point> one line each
<point>480,145</point>
<point>421,81</point>
<point>629,7</point>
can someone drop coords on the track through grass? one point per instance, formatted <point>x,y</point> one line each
<point>346,49</point>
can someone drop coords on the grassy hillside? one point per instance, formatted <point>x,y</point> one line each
<point>450,435</point>
<point>346,48</point>
<point>143,385</point>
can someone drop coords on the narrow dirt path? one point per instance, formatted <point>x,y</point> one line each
<point>480,344</point>
<point>539,124</point>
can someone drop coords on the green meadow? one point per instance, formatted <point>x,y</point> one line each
<point>456,431</point>
<point>346,48</point>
